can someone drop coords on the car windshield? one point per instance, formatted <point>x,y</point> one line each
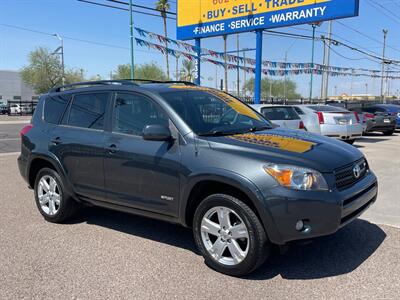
<point>280,113</point>
<point>212,112</point>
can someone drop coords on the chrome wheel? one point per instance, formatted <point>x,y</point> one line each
<point>49,195</point>
<point>225,235</point>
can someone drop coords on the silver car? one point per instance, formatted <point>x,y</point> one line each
<point>283,116</point>
<point>335,122</point>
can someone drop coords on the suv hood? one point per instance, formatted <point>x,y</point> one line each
<point>289,147</point>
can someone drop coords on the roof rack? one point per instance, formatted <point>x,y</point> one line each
<point>112,82</point>
<point>89,83</point>
<point>162,81</point>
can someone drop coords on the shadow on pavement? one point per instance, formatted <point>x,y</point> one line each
<point>328,256</point>
<point>371,140</point>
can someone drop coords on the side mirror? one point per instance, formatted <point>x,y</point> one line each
<point>157,133</point>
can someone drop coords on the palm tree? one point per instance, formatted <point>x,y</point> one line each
<point>187,71</point>
<point>163,6</point>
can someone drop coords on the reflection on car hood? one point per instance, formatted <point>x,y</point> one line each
<point>290,147</point>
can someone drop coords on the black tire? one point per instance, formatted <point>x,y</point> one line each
<point>259,246</point>
<point>388,133</point>
<point>67,206</point>
<point>350,142</point>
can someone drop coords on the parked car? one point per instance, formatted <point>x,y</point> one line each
<point>375,119</point>
<point>15,109</point>
<point>331,121</point>
<point>281,115</point>
<point>3,109</point>
<point>176,152</point>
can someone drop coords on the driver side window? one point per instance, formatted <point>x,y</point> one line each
<point>133,112</point>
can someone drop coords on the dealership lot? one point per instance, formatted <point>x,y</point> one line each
<point>102,253</point>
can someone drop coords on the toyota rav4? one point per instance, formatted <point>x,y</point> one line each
<point>194,156</point>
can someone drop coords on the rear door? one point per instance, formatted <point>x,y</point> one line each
<point>78,142</point>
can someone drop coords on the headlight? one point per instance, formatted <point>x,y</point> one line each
<point>297,178</point>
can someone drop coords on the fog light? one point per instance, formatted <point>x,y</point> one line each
<point>300,225</point>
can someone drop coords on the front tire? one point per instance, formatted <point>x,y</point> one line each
<point>51,199</point>
<point>229,235</point>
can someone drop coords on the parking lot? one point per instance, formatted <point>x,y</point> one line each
<point>102,253</point>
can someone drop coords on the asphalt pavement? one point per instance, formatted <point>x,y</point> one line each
<point>105,254</point>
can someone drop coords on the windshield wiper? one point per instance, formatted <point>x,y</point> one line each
<point>215,133</point>
<point>254,129</point>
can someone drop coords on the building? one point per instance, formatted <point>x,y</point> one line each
<point>12,88</point>
<point>358,97</point>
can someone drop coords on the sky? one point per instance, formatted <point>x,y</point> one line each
<point>107,31</point>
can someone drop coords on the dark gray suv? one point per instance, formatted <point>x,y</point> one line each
<point>194,156</point>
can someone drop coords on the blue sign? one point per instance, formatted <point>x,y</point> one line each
<point>207,18</point>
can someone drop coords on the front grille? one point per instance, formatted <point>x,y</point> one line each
<point>345,176</point>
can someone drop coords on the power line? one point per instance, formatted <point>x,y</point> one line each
<point>124,9</point>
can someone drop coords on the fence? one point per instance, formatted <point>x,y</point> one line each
<point>19,107</point>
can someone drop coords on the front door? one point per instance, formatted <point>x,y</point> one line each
<point>138,173</point>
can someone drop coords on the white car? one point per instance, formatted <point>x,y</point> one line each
<point>335,122</point>
<point>15,109</point>
<point>281,115</point>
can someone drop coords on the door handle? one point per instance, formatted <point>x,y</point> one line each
<point>56,141</point>
<point>112,149</point>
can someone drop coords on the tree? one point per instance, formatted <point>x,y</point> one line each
<point>163,6</point>
<point>44,71</point>
<point>150,71</point>
<point>275,88</point>
<point>187,71</point>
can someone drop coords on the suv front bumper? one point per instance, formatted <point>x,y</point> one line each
<point>322,213</point>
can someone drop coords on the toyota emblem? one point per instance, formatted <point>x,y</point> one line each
<point>357,171</point>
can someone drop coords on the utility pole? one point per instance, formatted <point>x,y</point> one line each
<point>132,44</point>
<point>238,69</point>
<point>327,54</point>
<point>225,62</point>
<point>351,84</point>
<point>177,67</point>
<point>385,32</point>
<point>286,61</point>
<point>61,48</point>
<point>244,73</point>
<point>314,25</point>
<point>366,90</point>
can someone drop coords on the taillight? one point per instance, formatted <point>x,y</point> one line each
<point>320,117</point>
<point>369,116</point>
<point>301,125</point>
<point>25,130</point>
<point>357,117</point>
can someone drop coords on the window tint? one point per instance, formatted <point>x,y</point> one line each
<point>133,112</point>
<point>54,108</point>
<point>280,113</point>
<point>87,110</point>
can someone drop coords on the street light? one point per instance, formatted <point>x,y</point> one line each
<point>61,49</point>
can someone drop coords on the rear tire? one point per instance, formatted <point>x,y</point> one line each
<point>388,133</point>
<point>51,199</point>
<point>350,142</point>
<point>240,232</point>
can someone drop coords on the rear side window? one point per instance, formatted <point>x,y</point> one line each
<point>299,110</point>
<point>54,108</point>
<point>88,110</point>
<point>280,113</point>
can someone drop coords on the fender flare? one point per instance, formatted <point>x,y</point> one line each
<point>238,181</point>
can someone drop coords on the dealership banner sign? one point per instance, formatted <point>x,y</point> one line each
<point>207,18</point>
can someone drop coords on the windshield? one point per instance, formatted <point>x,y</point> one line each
<point>327,108</point>
<point>280,113</point>
<point>212,112</point>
